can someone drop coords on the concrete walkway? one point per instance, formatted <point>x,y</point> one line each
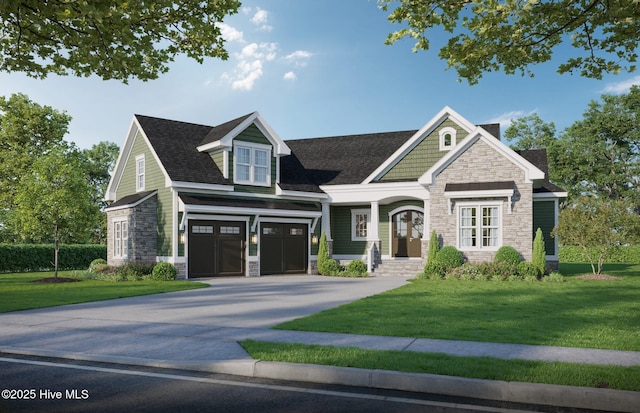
<point>200,329</point>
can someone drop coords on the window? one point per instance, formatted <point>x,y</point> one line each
<point>447,138</point>
<point>140,173</point>
<point>120,239</point>
<point>230,230</point>
<point>359,224</point>
<point>252,164</point>
<point>479,226</point>
<point>202,229</point>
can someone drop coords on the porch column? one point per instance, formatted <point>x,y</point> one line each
<point>373,233</point>
<point>426,232</point>
<point>326,220</point>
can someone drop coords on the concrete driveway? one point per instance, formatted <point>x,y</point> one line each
<point>229,302</point>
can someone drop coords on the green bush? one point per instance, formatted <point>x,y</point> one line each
<point>95,263</point>
<point>449,257</point>
<point>554,277</point>
<point>330,267</point>
<point>163,271</point>
<point>466,272</point>
<point>135,271</point>
<point>497,271</point>
<point>434,271</point>
<point>527,269</point>
<point>539,259</point>
<point>433,247</point>
<point>508,255</point>
<point>325,265</point>
<point>40,257</point>
<point>357,268</point>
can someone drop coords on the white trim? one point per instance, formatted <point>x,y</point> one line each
<point>547,196</point>
<point>281,148</point>
<point>180,185</point>
<point>300,194</point>
<point>263,212</point>
<point>120,252</point>
<point>402,209</point>
<point>531,171</point>
<point>360,211</point>
<point>132,205</point>
<point>442,133</point>
<point>140,186</point>
<point>490,193</point>
<point>429,127</point>
<point>479,205</point>
<point>382,192</point>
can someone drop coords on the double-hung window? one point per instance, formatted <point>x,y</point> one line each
<point>359,224</point>
<point>252,164</point>
<point>479,226</point>
<point>120,239</point>
<point>140,173</point>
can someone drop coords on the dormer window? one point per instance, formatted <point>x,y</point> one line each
<point>447,139</point>
<point>252,164</point>
<point>140,173</point>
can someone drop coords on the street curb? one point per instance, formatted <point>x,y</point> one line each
<point>516,392</point>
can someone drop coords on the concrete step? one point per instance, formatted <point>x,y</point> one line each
<point>401,268</point>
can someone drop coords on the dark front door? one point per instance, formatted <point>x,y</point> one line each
<point>283,248</point>
<point>216,248</point>
<point>407,233</point>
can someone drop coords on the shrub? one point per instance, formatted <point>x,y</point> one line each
<point>499,271</point>
<point>325,264</point>
<point>434,271</point>
<point>331,267</point>
<point>449,257</point>
<point>554,277</point>
<point>527,269</point>
<point>433,247</point>
<point>95,263</point>
<point>164,271</point>
<point>357,268</point>
<point>39,257</point>
<point>508,255</point>
<point>466,272</point>
<point>135,271</point>
<point>539,254</point>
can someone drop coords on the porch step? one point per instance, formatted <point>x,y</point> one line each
<point>398,268</point>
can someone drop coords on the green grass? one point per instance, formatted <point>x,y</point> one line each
<point>18,292</point>
<point>568,374</point>
<point>577,313</point>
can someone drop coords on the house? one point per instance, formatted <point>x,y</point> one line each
<point>235,199</point>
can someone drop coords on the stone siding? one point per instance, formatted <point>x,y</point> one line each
<point>142,232</point>
<point>482,163</point>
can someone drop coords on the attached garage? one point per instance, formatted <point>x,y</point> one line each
<point>283,248</point>
<point>216,248</point>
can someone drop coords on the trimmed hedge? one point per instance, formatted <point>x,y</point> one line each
<point>629,254</point>
<point>39,257</point>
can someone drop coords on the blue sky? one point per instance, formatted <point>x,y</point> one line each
<point>314,68</point>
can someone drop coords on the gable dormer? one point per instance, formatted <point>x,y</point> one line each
<point>247,151</point>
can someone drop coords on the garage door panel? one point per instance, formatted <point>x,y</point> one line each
<point>216,248</point>
<point>283,248</point>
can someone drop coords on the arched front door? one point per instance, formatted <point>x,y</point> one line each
<point>407,230</point>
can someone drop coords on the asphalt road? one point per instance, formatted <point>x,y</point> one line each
<point>32,384</point>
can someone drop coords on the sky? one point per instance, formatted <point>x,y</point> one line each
<point>315,68</point>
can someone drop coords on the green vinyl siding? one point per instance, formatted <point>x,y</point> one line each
<point>341,231</point>
<point>218,159</point>
<point>253,135</point>
<point>544,218</point>
<point>423,156</point>
<point>385,221</point>
<point>154,180</point>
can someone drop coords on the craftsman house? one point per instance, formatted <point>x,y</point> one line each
<point>235,199</point>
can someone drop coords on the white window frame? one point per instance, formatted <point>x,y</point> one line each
<point>479,225</point>
<point>443,133</point>
<point>355,222</point>
<point>120,240</point>
<point>253,149</point>
<point>140,173</point>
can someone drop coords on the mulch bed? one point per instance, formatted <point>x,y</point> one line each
<point>598,277</point>
<point>51,280</point>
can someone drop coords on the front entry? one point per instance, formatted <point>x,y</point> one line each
<point>407,230</point>
<point>216,248</point>
<point>283,248</point>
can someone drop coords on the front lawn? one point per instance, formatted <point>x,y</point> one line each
<point>577,313</point>
<point>19,292</point>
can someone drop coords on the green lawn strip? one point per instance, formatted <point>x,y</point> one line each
<point>19,292</point>
<point>577,313</point>
<point>568,374</point>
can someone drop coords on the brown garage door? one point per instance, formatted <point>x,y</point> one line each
<point>216,248</point>
<point>283,248</point>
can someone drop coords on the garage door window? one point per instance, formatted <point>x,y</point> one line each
<point>230,230</point>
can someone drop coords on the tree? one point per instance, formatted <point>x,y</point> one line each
<point>530,132</point>
<point>27,131</point>
<point>53,201</point>
<point>117,39</point>
<point>538,258</point>
<point>600,154</point>
<point>598,226</point>
<point>511,35</point>
<point>434,246</point>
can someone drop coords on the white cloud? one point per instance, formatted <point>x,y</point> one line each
<point>230,33</point>
<point>246,75</point>
<point>505,119</point>
<point>289,76</point>
<point>246,10</point>
<point>250,65</point>
<point>622,87</point>
<point>260,19</point>
<point>299,58</point>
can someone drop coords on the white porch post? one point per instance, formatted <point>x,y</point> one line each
<point>326,220</point>
<point>373,233</point>
<point>426,232</point>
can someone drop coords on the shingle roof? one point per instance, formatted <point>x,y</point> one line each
<point>343,159</point>
<point>538,157</point>
<point>176,144</point>
<point>479,186</point>
<point>248,203</point>
<point>130,200</point>
<point>221,130</point>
